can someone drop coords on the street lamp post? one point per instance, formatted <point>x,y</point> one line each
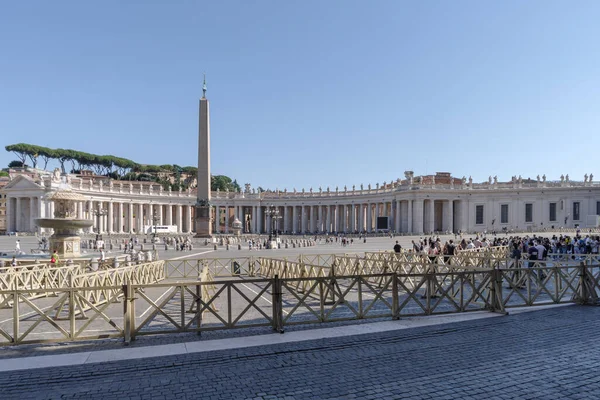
<point>98,213</point>
<point>154,220</point>
<point>273,212</point>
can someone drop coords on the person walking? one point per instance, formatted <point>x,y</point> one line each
<point>54,258</point>
<point>18,247</point>
<point>397,247</point>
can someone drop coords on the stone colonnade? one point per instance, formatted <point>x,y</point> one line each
<point>116,217</point>
<point>402,216</point>
<point>129,217</point>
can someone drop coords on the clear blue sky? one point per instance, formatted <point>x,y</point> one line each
<point>310,93</point>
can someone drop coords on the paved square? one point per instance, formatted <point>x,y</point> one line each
<point>549,354</point>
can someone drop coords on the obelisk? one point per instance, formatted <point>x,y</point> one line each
<point>203,207</point>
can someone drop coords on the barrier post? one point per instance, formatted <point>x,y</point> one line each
<point>586,290</point>
<point>395,300</point>
<point>277,305</point>
<point>15,312</point>
<point>198,304</point>
<point>495,288</point>
<point>71,308</point>
<point>128,313</point>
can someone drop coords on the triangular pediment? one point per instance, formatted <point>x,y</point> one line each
<point>22,182</point>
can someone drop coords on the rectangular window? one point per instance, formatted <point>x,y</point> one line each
<point>528,212</point>
<point>504,214</point>
<point>576,208</point>
<point>478,215</point>
<point>552,216</point>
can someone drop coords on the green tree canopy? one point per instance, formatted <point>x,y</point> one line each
<point>21,150</point>
<point>116,167</point>
<point>16,164</point>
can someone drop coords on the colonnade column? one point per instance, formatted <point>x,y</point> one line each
<point>88,212</point>
<point>169,211</point>
<point>178,218</point>
<point>303,219</point>
<point>369,218</point>
<point>295,219</point>
<point>259,221</point>
<point>130,218</point>
<point>348,217</point>
<point>451,215</point>
<point>320,223</point>
<point>9,215</point>
<point>431,212</point>
<point>464,210</point>
<point>446,220</point>
<point>418,216</point>
<point>109,225</point>
<point>409,217</point>
<point>159,214</point>
<point>227,219</point>
<point>18,215</point>
<point>351,218</point>
<point>140,219</point>
<point>397,226</point>
<point>286,218</point>
<point>189,219</point>
<point>119,219</point>
<point>217,218</point>
<point>32,202</point>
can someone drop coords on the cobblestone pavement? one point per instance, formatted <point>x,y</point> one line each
<point>548,354</point>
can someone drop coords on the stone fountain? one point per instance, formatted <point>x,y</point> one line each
<point>65,239</point>
<point>236,227</point>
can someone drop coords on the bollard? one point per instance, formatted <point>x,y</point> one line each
<point>115,262</point>
<point>94,264</point>
<point>286,245</point>
<point>154,247</point>
<point>142,247</point>
<point>227,247</point>
<point>166,247</point>
<point>239,246</point>
<point>215,246</point>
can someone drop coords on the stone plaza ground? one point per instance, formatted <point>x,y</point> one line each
<point>547,354</point>
<point>544,354</point>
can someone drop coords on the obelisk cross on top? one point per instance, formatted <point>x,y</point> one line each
<point>203,207</point>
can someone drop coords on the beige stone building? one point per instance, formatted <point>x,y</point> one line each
<point>3,182</point>
<point>415,204</point>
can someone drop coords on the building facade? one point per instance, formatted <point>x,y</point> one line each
<point>434,203</point>
<point>4,180</point>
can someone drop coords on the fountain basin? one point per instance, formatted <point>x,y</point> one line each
<point>64,223</point>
